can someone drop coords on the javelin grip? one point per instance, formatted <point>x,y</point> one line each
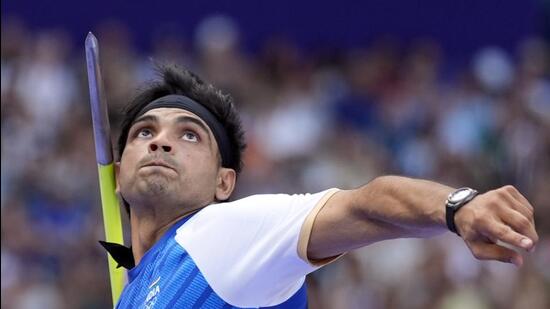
<point>104,156</point>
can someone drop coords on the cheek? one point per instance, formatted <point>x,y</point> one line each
<point>123,177</point>
<point>201,168</point>
<point>127,170</point>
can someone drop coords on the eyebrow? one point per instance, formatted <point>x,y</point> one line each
<point>145,118</point>
<point>187,119</point>
<point>179,119</point>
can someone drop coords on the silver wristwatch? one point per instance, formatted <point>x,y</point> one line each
<point>454,202</point>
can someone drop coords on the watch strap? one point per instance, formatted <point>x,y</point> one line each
<point>451,209</point>
<point>450,218</point>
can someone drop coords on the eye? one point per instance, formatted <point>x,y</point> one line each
<point>190,136</point>
<point>144,132</point>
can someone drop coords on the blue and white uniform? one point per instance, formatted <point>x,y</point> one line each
<point>248,253</point>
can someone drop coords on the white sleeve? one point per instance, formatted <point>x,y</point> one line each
<point>253,252</point>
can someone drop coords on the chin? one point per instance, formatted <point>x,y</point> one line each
<point>154,186</point>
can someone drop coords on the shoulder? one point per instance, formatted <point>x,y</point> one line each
<point>253,213</point>
<point>262,204</point>
<point>254,239</point>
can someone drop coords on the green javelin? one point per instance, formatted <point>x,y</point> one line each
<point>104,155</point>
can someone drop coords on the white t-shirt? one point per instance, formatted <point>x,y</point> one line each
<point>253,251</point>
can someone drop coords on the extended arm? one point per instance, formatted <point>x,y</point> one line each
<point>399,207</point>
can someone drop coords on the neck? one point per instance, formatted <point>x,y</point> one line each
<point>148,228</point>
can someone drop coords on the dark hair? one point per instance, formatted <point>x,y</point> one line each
<point>183,82</point>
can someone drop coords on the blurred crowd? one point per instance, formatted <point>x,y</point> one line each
<point>314,120</point>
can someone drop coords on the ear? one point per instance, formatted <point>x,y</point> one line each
<point>121,200</point>
<point>117,172</point>
<point>226,183</point>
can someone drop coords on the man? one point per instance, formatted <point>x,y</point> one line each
<point>180,153</point>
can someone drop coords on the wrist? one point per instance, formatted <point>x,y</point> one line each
<point>454,203</point>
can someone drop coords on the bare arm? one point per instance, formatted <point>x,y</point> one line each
<point>399,207</point>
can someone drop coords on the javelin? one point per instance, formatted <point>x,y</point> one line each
<point>104,156</point>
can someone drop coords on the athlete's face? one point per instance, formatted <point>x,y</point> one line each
<point>171,157</point>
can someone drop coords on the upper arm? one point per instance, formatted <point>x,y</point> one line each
<point>255,240</point>
<point>343,224</point>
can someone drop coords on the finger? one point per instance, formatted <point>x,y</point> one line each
<point>489,251</point>
<point>520,198</point>
<point>504,233</point>
<point>515,204</point>
<point>520,224</point>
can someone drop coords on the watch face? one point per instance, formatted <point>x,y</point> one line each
<point>459,196</point>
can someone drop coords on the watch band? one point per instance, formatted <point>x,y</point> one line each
<point>450,217</point>
<point>451,207</point>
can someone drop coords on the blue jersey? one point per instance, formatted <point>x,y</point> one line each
<point>214,259</point>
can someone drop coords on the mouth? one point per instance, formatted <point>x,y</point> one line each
<point>158,164</point>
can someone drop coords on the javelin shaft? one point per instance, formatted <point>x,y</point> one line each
<point>104,154</point>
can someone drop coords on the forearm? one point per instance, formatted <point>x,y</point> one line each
<point>387,207</point>
<point>414,207</point>
<point>399,207</point>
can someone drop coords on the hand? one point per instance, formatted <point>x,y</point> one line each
<point>499,215</point>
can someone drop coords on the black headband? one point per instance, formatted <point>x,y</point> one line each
<point>185,103</point>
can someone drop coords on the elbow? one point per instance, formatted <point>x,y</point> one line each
<point>379,186</point>
<point>370,198</point>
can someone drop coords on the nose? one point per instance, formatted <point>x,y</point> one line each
<point>155,146</point>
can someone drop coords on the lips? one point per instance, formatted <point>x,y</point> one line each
<point>158,163</point>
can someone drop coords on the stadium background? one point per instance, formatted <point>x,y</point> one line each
<point>331,95</point>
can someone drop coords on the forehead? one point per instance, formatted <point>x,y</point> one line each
<point>170,113</point>
<point>172,116</point>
